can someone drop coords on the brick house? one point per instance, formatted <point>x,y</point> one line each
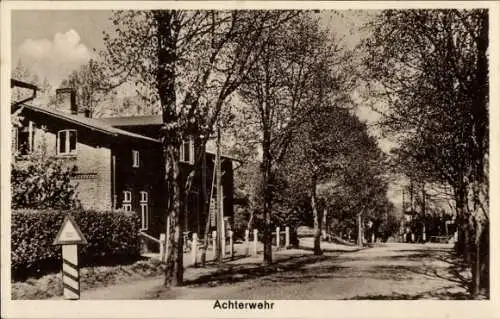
<point>119,163</point>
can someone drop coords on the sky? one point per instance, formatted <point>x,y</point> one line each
<point>52,43</point>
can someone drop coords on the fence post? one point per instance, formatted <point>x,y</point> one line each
<point>231,246</point>
<point>287,237</point>
<point>162,247</point>
<point>194,249</point>
<point>247,242</point>
<point>214,243</point>
<point>277,238</point>
<point>255,233</point>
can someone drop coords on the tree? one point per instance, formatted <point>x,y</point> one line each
<point>278,93</point>
<point>430,69</point>
<point>322,153</point>
<point>23,73</point>
<point>91,85</point>
<point>190,63</point>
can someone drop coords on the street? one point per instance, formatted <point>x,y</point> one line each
<point>385,271</point>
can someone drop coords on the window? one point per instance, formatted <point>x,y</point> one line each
<point>135,158</point>
<point>127,201</point>
<point>187,151</point>
<point>23,139</point>
<point>144,197</point>
<point>144,210</point>
<point>66,142</point>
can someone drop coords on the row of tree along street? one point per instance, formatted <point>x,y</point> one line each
<point>431,69</point>
<point>280,86</point>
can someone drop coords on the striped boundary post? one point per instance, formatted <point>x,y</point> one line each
<point>70,272</point>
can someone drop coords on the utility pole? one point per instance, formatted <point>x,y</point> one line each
<point>220,213</point>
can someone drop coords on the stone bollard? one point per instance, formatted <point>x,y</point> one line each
<point>287,237</point>
<point>194,249</point>
<point>231,246</point>
<point>277,238</point>
<point>162,247</point>
<point>255,233</point>
<point>247,242</point>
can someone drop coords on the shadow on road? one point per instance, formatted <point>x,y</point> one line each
<point>237,273</point>
<point>440,294</point>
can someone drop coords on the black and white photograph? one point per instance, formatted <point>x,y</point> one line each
<point>249,155</point>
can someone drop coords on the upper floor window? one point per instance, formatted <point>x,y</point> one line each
<point>66,142</point>
<point>135,158</point>
<point>187,151</point>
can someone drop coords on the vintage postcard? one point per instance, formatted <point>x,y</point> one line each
<point>249,159</point>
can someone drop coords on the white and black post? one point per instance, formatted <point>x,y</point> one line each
<point>69,237</point>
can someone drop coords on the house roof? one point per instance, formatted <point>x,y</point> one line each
<point>142,120</point>
<point>90,123</point>
<point>153,120</point>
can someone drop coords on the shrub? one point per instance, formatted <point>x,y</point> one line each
<point>42,184</point>
<point>112,239</point>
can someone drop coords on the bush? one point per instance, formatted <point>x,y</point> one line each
<point>112,239</point>
<point>42,184</point>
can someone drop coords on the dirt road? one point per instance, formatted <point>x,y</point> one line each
<point>388,271</point>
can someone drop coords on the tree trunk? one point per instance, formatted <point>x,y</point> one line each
<point>220,213</point>
<point>476,261</point>
<point>167,32</point>
<point>360,229</point>
<point>206,212</point>
<point>463,224</point>
<point>174,267</point>
<point>484,282</point>
<point>266,172</point>
<point>480,132</point>
<point>317,221</point>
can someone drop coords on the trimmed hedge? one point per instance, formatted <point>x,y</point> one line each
<point>112,238</point>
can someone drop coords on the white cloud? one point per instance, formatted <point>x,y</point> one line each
<point>54,59</point>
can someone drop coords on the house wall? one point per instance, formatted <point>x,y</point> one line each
<point>147,177</point>
<point>93,163</point>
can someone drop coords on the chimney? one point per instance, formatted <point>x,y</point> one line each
<point>71,91</point>
<point>87,113</point>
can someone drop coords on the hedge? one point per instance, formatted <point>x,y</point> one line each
<point>112,238</point>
